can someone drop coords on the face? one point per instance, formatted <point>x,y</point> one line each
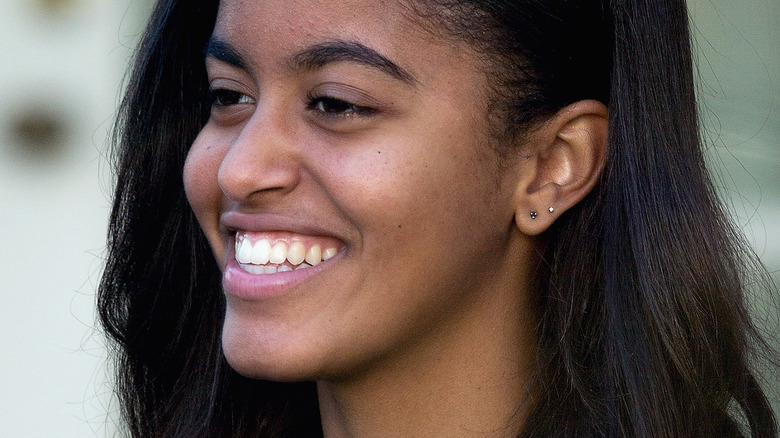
<point>347,185</point>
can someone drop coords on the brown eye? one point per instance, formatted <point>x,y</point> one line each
<point>222,97</point>
<point>332,107</point>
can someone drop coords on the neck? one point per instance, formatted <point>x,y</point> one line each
<point>471,379</point>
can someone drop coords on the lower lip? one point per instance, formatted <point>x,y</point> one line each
<point>241,284</point>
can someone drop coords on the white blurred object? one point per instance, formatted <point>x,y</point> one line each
<point>62,65</point>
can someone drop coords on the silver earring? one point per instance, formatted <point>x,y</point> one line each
<point>533,215</point>
<point>551,209</point>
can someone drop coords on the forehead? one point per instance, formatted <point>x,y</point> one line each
<point>264,30</point>
<point>292,11</point>
<point>298,21</point>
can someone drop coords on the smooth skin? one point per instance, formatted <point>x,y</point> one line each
<point>423,324</point>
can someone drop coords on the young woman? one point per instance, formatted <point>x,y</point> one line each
<point>423,218</point>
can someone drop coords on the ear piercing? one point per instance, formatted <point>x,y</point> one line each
<point>534,214</point>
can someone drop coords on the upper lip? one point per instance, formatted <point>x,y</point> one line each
<point>233,221</point>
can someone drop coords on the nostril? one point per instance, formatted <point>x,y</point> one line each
<point>251,179</point>
<point>262,157</point>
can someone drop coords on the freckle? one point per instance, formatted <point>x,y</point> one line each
<point>399,225</point>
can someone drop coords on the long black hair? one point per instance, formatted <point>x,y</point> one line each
<point>644,330</point>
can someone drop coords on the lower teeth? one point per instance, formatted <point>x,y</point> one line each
<point>270,269</point>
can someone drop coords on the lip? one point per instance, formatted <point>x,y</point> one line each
<point>241,284</point>
<point>231,221</point>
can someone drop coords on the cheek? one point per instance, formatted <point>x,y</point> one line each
<point>377,188</point>
<point>418,177</point>
<point>420,192</point>
<point>201,186</point>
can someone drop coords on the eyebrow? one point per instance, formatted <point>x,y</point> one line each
<point>222,51</point>
<point>317,56</point>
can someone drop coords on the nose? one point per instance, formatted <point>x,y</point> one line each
<point>262,162</point>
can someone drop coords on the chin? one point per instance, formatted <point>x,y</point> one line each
<point>265,358</point>
<point>267,367</point>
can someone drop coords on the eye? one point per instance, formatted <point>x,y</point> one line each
<point>223,97</point>
<point>334,107</point>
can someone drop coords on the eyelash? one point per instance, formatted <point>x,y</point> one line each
<point>328,106</point>
<point>323,105</point>
<point>224,97</point>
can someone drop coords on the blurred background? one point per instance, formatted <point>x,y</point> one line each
<point>61,71</point>
<point>61,68</point>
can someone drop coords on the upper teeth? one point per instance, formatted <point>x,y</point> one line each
<point>262,253</point>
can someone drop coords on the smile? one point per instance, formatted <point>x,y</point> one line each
<point>266,255</point>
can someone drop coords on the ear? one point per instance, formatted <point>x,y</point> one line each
<point>562,162</point>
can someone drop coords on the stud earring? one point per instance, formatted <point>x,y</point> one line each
<point>533,215</point>
<point>551,209</point>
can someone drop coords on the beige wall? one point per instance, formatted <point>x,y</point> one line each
<point>66,57</point>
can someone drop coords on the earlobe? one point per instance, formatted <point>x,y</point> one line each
<point>565,162</point>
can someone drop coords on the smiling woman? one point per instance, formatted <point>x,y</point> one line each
<point>461,219</point>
